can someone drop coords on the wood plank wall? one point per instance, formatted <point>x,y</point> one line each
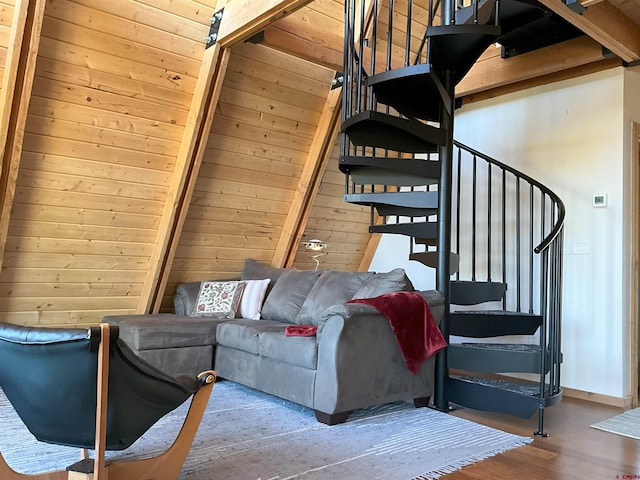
<point>6,16</point>
<point>343,226</point>
<point>113,84</point>
<point>114,81</point>
<point>262,132</point>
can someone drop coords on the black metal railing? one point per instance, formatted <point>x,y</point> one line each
<point>508,228</point>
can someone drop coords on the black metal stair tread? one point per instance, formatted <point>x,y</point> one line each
<point>397,88</point>
<point>493,323</point>
<point>400,199</point>
<point>497,395</point>
<point>423,229</point>
<point>424,169</point>
<point>457,47</point>
<point>528,25</point>
<point>377,129</point>
<point>430,259</point>
<point>404,204</point>
<point>472,293</point>
<point>520,387</point>
<point>495,358</point>
<point>507,347</point>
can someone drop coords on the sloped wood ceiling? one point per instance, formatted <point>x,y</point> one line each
<point>134,159</point>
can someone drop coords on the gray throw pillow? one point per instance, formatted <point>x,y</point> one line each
<point>331,288</point>
<point>394,281</point>
<point>288,295</point>
<point>254,270</point>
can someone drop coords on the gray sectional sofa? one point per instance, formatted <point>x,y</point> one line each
<point>353,361</point>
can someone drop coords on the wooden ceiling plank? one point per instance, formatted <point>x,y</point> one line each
<point>606,24</point>
<point>243,18</point>
<point>493,71</point>
<point>17,83</point>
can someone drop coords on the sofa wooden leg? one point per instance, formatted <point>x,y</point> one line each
<point>421,402</point>
<point>331,418</point>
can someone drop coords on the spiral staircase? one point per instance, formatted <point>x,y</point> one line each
<point>492,234</point>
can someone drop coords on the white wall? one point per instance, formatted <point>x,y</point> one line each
<point>569,135</point>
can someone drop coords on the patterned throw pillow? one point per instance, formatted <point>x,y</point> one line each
<point>219,299</point>
<point>252,298</point>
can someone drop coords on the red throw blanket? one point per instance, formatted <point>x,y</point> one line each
<point>300,331</point>
<point>416,331</point>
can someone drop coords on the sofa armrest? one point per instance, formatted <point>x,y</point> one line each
<point>359,362</point>
<point>186,297</point>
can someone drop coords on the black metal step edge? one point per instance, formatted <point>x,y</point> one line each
<point>421,229</point>
<point>480,396</point>
<point>392,88</point>
<point>409,166</point>
<point>457,47</point>
<point>464,292</point>
<point>416,199</point>
<point>495,358</point>
<point>377,129</point>
<point>493,323</point>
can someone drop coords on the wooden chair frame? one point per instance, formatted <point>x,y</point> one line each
<point>165,466</point>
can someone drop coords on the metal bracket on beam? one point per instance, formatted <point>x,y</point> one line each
<point>256,38</point>
<point>576,6</point>
<point>337,81</point>
<point>215,20</point>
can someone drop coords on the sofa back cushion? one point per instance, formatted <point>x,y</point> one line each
<point>331,288</point>
<point>394,281</point>
<point>254,270</point>
<point>288,294</point>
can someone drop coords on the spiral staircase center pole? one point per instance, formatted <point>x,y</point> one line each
<point>443,279</point>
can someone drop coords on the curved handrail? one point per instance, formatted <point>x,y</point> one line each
<point>543,188</point>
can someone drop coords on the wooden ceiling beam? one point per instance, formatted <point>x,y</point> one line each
<point>17,83</point>
<point>284,37</point>
<point>243,18</point>
<point>606,24</point>
<point>491,71</point>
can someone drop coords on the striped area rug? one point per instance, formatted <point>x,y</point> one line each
<point>626,424</point>
<point>246,435</point>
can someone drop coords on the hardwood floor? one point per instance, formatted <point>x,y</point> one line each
<point>573,450</point>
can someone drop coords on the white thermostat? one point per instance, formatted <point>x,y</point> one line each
<point>600,200</point>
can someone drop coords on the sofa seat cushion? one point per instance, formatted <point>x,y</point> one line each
<point>244,334</point>
<point>152,332</point>
<point>301,351</point>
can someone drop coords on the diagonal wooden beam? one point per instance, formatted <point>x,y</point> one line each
<point>17,83</point>
<point>309,182</point>
<point>606,24</point>
<point>243,18</point>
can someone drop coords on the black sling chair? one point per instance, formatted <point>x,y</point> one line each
<point>87,389</point>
